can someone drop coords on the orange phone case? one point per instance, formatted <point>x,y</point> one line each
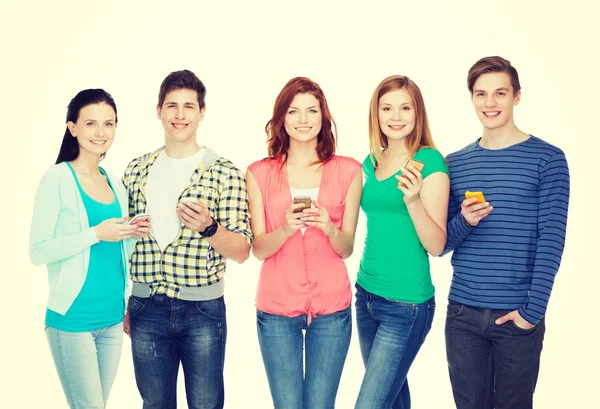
<point>415,164</point>
<point>478,195</point>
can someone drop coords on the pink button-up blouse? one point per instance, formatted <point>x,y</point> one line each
<point>305,276</point>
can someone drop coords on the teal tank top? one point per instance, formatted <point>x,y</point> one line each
<point>100,302</point>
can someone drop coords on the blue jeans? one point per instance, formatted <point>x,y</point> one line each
<point>390,335</point>
<point>166,331</point>
<point>491,366</point>
<point>86,363</point>
<point>326,344</point>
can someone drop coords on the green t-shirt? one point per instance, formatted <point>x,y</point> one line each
<point>394,265</point>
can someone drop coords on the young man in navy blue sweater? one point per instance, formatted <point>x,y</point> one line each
<point>507,247</point>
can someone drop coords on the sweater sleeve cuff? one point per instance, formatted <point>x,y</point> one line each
<point>528,317</point>
<point>463,226</point>
<point>88,236</point>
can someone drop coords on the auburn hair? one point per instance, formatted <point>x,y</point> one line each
<point>278,140</point>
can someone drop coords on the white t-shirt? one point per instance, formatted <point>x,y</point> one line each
<point>167,179</point>
<point>313,193</point>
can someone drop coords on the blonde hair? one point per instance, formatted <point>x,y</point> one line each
<point>419,138</point>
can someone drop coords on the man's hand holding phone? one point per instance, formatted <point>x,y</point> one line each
<point>194,214</point>
<point>474,208</point>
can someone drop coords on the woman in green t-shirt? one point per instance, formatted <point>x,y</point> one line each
<point>406,213</point>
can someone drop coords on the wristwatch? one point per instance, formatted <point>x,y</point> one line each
<point>210,230</point>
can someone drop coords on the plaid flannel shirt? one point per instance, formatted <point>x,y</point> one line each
<point>189,260</point>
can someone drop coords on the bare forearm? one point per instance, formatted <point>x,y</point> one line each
<point>232,246</point>
<point>267,244</point>
<point>431,235</point>
<point>342,243</point>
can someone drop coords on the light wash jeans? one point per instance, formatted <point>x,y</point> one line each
<point>86,363</point>
<point>304,362</point>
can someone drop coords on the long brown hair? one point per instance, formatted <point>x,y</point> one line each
<point>419,138</point>
<point>278,141</point>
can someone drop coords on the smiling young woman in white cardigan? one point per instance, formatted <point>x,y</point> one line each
<point>79,231</point>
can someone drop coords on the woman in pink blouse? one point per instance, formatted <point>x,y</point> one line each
<point>303,297</point>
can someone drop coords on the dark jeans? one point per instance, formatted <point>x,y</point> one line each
<point>326,342</point>
<point>390,334</point>
<point>491,366</point>
<point>167,331</point>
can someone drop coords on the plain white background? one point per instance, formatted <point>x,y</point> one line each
<point>245,52</point>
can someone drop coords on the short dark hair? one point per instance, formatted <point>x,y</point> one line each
<point>184,79</point>
<point>69,149</point>
<point>493,64</point>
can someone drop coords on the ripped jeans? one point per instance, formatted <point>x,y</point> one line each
<point>167,331</point>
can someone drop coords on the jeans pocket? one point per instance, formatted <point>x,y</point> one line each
<point>212,309</point>
<point>525,330</point>
<point>454,309</point>
<point>429,322</point>
<point>400,303</point>
<point>136,305</point>
<point>260,313</point>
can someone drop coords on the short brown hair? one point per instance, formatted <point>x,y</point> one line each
<point>493,64</point>
<point>184,79</point>
<point>278,139</point>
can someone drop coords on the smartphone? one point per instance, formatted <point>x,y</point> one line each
<point>478,195</point>
<point>142,217</point>
<point>302,199</point>
<point>418,165</point>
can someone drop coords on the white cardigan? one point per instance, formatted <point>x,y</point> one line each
<point>61,237</point>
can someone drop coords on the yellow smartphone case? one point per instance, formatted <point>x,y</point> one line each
<point>478,195</point>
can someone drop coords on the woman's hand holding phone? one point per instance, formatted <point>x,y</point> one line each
<point>142,229</point>
<point>142,223</point>
<point>293,222</point>
<point>114,230</point>
<point>318,217</point>
<point>410,183</point>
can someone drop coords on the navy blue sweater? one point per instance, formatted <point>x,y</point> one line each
<point>509,260</point>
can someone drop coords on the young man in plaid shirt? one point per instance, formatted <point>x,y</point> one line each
<point>198,209</point>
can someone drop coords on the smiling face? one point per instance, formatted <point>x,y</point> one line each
<point>396,114</point>
<point>180,115</point>
<point>95,128</point>
<point>494,100</point>
<point>303,118</point>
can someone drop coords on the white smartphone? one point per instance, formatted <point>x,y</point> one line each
<point>188,200</point>
<point>142,217</point>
